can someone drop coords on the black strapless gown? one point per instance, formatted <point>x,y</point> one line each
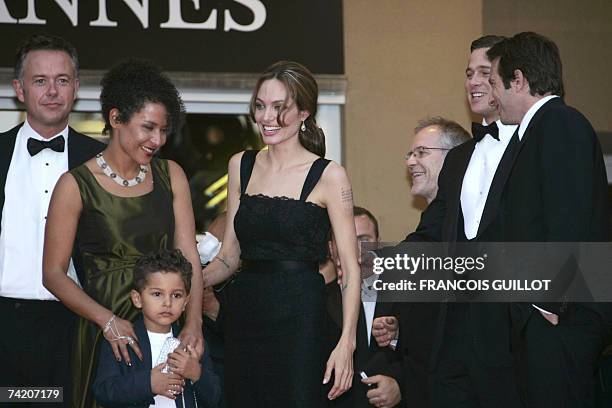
<point>275,321</point>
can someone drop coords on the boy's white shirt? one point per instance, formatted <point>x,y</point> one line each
<point>157,341</point>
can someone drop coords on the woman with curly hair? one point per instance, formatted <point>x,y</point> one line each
<point>119,205</point>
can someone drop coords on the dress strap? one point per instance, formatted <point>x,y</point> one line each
<point>247,162</point>
<point>314,174</point>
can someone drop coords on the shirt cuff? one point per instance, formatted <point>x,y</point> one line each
<point>208,248</point>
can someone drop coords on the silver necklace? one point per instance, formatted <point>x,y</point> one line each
<point>117,178</point>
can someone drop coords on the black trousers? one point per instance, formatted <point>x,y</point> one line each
<point>460,379</point>
<point>557,364</point>
<point>35,345</point>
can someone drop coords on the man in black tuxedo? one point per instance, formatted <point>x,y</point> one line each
<point>33,155</point>
<point>382,366</point>
<point>559,166</point>
<point>470,360</point>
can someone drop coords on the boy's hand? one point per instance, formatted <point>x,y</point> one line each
<point>186,363</point>
<point>166,384</point>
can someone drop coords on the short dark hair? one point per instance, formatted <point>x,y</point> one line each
<point>130,84</point>
<point>486,41</point>
<point>536,56</point>
<point>166,261</point>
<point>358,211</point>
<point>38,42</point>
<point>451,133</point>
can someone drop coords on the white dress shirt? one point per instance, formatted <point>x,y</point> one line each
<point>157,341</point>
<point>368,298</point>
<point>479,176</point>
<point>530,114</point>
<point>29,183</point>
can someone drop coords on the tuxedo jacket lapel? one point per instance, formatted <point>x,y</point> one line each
<point>7,146</point>
<point>81,148</point>
<point>143,341</point>
<point>504,169</point>
<point>361,349</point>
<point>459,167</point>
<point>499,181</point>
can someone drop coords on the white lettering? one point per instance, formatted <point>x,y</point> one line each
<point>140,10</point>
<point>102,20</point>
<point>259,17</point>
<point>175,18</point>
<point>5,16</point>
<point>31,17</point>
<point>377,269</point>
<point>70,9</point>
<point>415,264</point>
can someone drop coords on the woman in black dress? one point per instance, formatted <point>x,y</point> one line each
<point>281,204</point>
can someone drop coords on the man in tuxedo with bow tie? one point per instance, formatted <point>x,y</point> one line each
<point>38,336</point>
<point>559,166</point>
<point>470,361</point>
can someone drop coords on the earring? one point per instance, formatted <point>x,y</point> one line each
<point>303,127</point>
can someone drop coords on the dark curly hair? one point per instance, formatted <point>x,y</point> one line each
<point>165,261</point>
<point>132,83</point>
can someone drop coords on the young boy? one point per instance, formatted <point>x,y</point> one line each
<point>161,290</point>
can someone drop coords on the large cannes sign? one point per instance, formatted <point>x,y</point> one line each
<point>140,9</point>
<point>184,35</point>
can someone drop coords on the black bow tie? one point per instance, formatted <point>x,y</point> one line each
<point>35,145</point>
<point>479,131</point>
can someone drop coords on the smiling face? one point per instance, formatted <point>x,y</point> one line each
<point>477,85</point>
<point>162,300</point>
<point>48,88</point>
<point>269,102</point>
<point>509,101</point>
<point>143,134</point>
<point>425,167</point>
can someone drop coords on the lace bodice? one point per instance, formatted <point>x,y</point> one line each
<point>281,228</point>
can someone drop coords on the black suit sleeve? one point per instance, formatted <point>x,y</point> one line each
<point>117,385</point>
<point>573,183</point>
<point>569,163</point>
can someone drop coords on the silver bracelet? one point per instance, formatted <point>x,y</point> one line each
<point>109,323</point>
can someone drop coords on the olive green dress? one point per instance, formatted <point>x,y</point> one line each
<point>113,232</point>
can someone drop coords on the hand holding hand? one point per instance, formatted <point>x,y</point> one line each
<point>385,329</point>
<point>166,384</point>
<point>192,336</point>
<point>186,363</point>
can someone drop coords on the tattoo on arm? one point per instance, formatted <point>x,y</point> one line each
<point>347,199</point>
<point>344,283</point>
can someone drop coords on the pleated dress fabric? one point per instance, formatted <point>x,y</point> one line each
<point>113,232</point>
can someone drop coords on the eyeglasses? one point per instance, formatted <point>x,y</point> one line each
<point>422,151</point>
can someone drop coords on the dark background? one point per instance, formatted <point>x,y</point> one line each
<point>307,31</point>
